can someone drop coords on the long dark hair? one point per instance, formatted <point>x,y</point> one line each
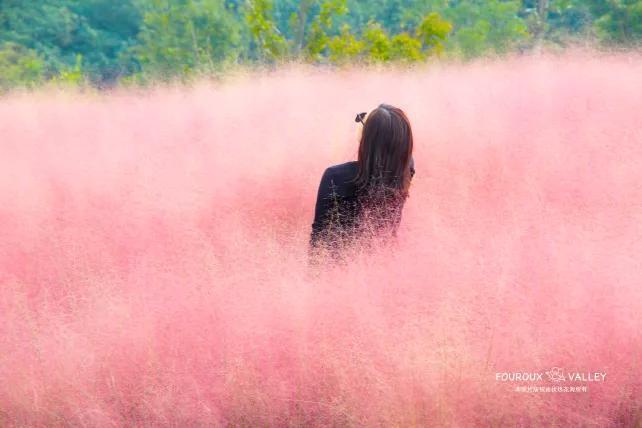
<point>385,152</point>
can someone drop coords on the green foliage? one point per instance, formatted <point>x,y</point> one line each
<point>557,21</point>
<point>402,47</point>
<point>109,28</point>
<point>318,39</point>
<point>179,37</point>
<point>71,76</point>
<point>405,48</point>
<point>433,31</point>
<point>106,41</point>
<point>618,21</point>
<point>19,66</point>
<point>395,16</point>
<point>58,30</point>
<point>270,44</point>
<point>316,36</point>
<point>482,26</point>
<point>344,47</point>
<point>377,43</point>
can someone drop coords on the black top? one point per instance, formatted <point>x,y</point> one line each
<point>338,204</point>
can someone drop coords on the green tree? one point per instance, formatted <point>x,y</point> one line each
<point>394,16</point>
<point>403,47</point>
<point>482,26</point>
<point>556,21</point>
<point>377,43</point>
<point>59,30</point>
<point>270,44</point>
<point>71,76</point>
<point>179,37</point>
<point>433,31</point>
<point>19,66</point>
<point>344,47</point>
<point>618,21</point>
<point>110,29</point>
<point>318,37</point>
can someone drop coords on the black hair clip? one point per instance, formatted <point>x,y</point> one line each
<point>360,117</point>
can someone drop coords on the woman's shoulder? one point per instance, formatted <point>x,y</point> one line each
<point>340,178</point>
<point>343,169</point>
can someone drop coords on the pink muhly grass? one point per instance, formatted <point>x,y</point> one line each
<point>153,252</point>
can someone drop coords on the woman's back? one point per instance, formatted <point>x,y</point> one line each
<point>343,212</point>
<point>336,210</point>
<point>365,198</point>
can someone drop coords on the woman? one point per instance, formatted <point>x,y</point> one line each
<point>364,198</point>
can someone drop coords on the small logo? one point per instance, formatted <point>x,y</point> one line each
<point>556,374</point>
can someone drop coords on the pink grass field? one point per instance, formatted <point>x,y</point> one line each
<point>153,252</point>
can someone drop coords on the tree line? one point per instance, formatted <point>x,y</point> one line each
<point>104,42</point>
